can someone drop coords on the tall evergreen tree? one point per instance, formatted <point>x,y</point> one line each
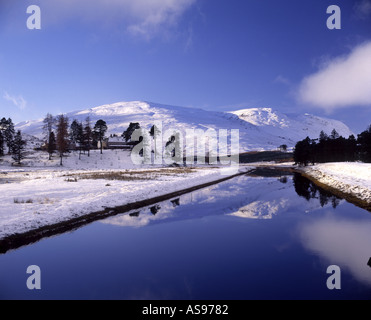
<point>52,145</point>
<point>129,131</point>
<point>9,133</point>
<point>303,153</point>
<point>334,135</point>
<point>1,144</point>
<point>3,124</point>
<point>62,136</point>
<point>88,135</point>
<point>79,137</point>
<point>76,132</point>
<point>100,130</point>
<point>323,136</point>
<point>364,145</point>
<point>18,146</point>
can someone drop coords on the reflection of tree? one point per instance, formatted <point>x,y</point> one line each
<point>134,214</point>
<point>283,180</point>
<point>155,209</point>
<point>176,202</point>
<point>308,190</point>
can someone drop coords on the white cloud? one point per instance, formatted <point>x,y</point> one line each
<point>341,242</point>
<point>342,82</point>
<point>19,102</point>
<point>140,17</point>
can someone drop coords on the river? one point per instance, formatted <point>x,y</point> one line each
<point>261,236</point>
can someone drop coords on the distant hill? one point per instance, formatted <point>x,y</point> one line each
<point>260,128</point>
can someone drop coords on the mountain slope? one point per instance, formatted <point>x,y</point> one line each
<point>291,127</point>
<point>260,129</point>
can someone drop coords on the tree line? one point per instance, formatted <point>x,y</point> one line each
<point>61,137</point>
<point>334,148</point>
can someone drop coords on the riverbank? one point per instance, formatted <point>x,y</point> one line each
<point>351,181</point>
<point>38,204</point>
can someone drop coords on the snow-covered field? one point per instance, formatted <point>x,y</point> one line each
<point>41,192</point>
<point>44,193</point>
<point>350,178</point>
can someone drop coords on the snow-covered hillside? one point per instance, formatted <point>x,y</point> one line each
<point>291,126</point>
<point>260,129</point>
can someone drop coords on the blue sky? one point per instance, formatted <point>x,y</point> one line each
<point>213,54</point>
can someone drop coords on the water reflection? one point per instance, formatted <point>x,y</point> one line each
<point>244,197</point>
<point>346,243</point>
<point>155,209</point>
<point>228,256</point>
<point>340,242</point>
<point>308,190</point>
<point>176,202</point>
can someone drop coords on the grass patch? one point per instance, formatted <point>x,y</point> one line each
<point>29,201</point>
<point>128,175</point>
<point>21,201</point>
<point>119,176</point>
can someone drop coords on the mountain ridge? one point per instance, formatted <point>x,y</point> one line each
<point>260,128</point>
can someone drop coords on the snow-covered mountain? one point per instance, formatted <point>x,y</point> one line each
<point>260,128</point>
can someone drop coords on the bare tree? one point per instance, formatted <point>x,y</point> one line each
<point>49,124</point>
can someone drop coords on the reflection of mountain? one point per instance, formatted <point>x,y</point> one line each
<point>341,242</point>
<point>244,197</point>
<point>262,209</point>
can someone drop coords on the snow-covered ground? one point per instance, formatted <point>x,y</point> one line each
<point>350,178</point>
<point>44,193</point>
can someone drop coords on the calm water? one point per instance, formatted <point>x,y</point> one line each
<point>247,238</point>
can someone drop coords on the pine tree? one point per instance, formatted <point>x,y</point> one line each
<point>76,132</point>
<point>79,137</point>
<point>88,135</point>
<point>17,147</point>
<point>334,135</point>
<point>100,130</point>
<point>132,127</point>
<point>364,145</point>
<point>304,152</point>
<point>52,145</point>
<point>62,136</point>
<point>3,124</point>
<point>9,133</point>
<point>1,144</point>
<point>323,136</point>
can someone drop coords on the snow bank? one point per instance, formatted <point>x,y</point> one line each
<point>353,179</point>
<point>30,199</point>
